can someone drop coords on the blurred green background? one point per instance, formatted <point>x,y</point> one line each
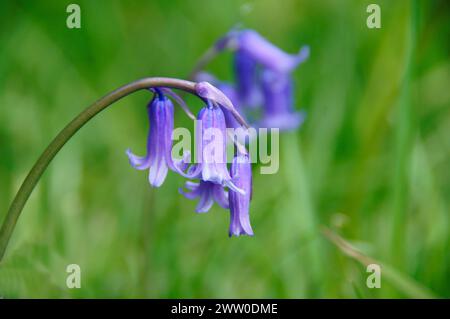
<point>370,163</point>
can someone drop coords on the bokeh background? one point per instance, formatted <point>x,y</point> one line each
<point>370,164</point>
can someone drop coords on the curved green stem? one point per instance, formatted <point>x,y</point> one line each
<point>66,133</point>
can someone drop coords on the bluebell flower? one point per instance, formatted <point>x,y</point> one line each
<point>263,80</point>
<point>159,143</point>
<point>211,161</point>
<point>278,102</point>
<point>239,203</point>
<point>208,193</point>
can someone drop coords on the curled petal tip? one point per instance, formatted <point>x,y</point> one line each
<point>137,162</point>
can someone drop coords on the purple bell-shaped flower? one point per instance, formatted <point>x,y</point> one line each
<point>159,143</point>
<point>211,159</point>
<point>241,172</point>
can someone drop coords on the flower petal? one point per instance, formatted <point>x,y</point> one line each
<point>138,162</point>
<point>158,173</point>
<point>221,196</point>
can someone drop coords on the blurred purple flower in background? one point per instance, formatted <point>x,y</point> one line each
<point>263,79</point>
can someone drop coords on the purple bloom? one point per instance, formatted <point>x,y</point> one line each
<point>263,79</point>
<point>278,102</point>
<point>210,167</point>
<point>211,158</point>
<point>207,193</point>
<point>159,143</point>
<point>241,172</point>
<point>267,54</point>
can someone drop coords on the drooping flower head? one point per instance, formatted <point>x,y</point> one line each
<point>159,143</point>
<point>211,159</point>
<point>210,167</point>
<point>239,203</point>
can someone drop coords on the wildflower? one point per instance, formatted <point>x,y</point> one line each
<point>159,143</point>
<point>239,203</point>
<point>263,79</point>
<point>207,192</point>
<point>211,164</point>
